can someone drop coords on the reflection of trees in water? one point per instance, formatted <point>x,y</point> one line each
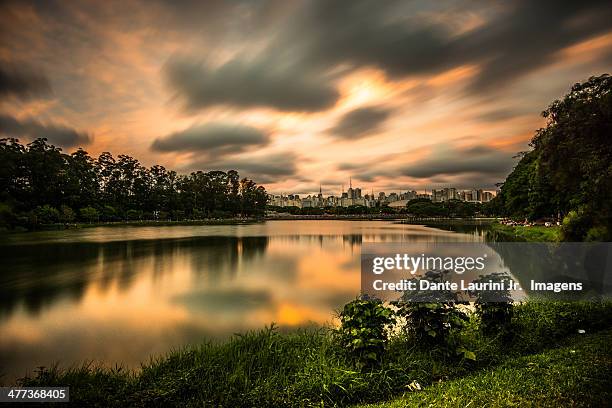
<point>476,229</point>
<point>354,240</point>
<point>218,257</point>
<point>321,239</point>
<point>38,276</point>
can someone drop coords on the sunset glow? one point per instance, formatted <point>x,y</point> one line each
<point>379,93</point>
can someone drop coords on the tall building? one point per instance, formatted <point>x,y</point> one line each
<point>437,195</point>
<point>350,192</point>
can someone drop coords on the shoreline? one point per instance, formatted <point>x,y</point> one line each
<point>401,219</point>
<point>282,363</point>
<point>144,223</point>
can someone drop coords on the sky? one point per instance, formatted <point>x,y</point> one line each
<point>296,94</point>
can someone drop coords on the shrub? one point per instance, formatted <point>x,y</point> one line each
<point>8,218</point>
<point>109,213</point>
<point>363,330</point>
<point>576,225</point>
<point>46,214</point>
<point>494,307</point>
<point>66,214</point>
<point>134,215</point>
<point>431,316</point>
<point>431,323</point>
<point>89,214</point>
<point>598,234</point>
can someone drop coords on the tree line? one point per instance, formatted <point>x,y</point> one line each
<point>568,173</point>
<point>418,207</point>
<point>39,184</point>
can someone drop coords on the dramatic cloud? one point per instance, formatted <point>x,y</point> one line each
<point>297,69</point>
<point>243,84</point>
<point>360,122</point>
<point>31,129</point>
<point>448,161</point>
<point>262,167</point>
<point>217,137</point>
<point>529,36</point>
<point>22,84</point>
<point>516,39</point>
<point>316,72</point>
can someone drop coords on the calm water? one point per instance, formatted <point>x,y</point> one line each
<point>120,295</point>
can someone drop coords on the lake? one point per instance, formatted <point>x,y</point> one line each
<point>119,295</point>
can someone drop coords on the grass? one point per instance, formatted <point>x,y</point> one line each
<point>307,368</point>
<point>578,374</point>
<point>534,233</point>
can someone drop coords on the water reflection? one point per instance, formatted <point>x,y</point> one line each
<point>41,275</point>
<point>119,295</point>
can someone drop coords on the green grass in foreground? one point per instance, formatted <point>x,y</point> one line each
<point>533,234</point>
<point>308,368</point>
<point>579,374</point>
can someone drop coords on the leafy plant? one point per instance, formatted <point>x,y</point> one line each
<point>89,214</point>
<point>46,214</point>
<point>431,316</point>
<point>494,307</point>
<point>363,330</point>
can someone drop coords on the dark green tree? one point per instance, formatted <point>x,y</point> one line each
<point>570,166</point>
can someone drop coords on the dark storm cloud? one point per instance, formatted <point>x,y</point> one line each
<point>242,17</point>
<point>310,42</point>
<point>360,122</point>
<point>366,33</point>
<point>266,168</point>
<point>522,37</point>
<point>528,36</point>
<point>367,177</point>
<point>467,181</point>
<point>249,84</point>
<point>22,83</point>
<point>217,137</point>
<point>482,160</point>
<point>31,129</point>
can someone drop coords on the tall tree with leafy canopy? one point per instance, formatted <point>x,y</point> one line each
<point>569,170</point>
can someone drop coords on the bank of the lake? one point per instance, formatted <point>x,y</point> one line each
<point>495,231</point>
<point>209,221</point>
<point>308,368</point>
<point>135,223</point>
<point>533,233</point>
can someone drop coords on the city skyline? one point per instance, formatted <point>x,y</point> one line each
<point>294,94</point>
<point>334,192</point>
<point>354,196</point>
